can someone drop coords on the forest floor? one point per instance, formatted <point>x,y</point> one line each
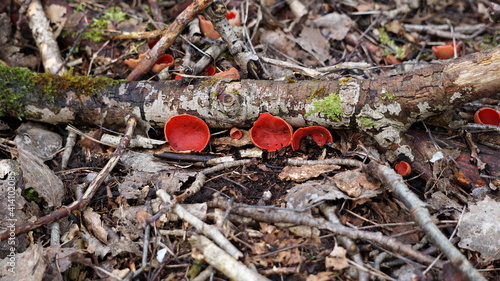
<point>333,218</point>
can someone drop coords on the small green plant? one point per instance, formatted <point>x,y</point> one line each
<point>115,14</point>
<point>489,41</point>
<point>80,7</point>
<point>93,35</point>
<point>366,122</point>
<point>112,14</point>
<point>384,38</point>
<point>329,106</point>
<point>31,195</point>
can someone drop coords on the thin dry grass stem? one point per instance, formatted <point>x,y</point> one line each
<point>367,269</point>
<point>201,177</point>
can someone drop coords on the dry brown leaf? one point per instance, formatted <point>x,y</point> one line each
<point>480,229</point>
<point>29,265</point>
<point>141,217</point>
<point>337,258</point>
<point>94,224</point>
<point>259,248</point>
<point>333,25</point>
<point>353,182</point>
<point>312,192</point>
<point>289,257</point>
<point>321,276</point>
<point>124,245</point>
<point>41,178</point>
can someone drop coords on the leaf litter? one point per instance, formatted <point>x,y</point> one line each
<point>106,239</point>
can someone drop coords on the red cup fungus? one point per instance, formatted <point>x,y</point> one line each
<point>132,63</point>
<point>446,51</point>
<point>162,63</point>
<point>178,77</point>
<point>391,59</point>
<point>403,168</point>
<point>235,133</point>
<point>487,115</point>
<point>152,43</point>
<point>187,133</point>
<point>210,70</point>
<point>207,28</point>
<point>271,133</point>
<point>319,134</point>
<point>231,73</point>
<point>233,17</point>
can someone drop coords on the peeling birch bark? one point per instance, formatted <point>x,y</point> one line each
<point>383,108</point>
<point>47,45</point>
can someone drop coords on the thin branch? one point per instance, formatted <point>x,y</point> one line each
<point>203,228</point>
<point>300,218</point>
<point>421,215</point>
<point>223,262</point>
<point>169,36</point>
<point>89,193</point>
<point>44,38</point>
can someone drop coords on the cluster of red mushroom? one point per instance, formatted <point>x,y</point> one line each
<point>189,133</point>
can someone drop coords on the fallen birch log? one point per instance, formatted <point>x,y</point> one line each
<point>383,108</point>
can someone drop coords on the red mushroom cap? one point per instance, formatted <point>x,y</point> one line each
<point>231,73</point>
<point>486,115</point>
<point>403,168</point>
<point>164,61</point>
<point>270,132</point>
<point>446,51</point>
<point>319,134</point>
<point>152,43</point>
<point>187,133</point>
<point>210,70</point>
<point>236,133</point>
<point>179,76</point>
<point>207,28</point>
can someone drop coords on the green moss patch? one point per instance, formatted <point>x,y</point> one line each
<point>15,83</point>
<point>329,106</point>
<point>19,85</point>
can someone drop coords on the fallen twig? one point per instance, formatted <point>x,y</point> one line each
<point>352,249</point>
<point>89,193</point>
<point>44,38</point>
<point>169,35</point>
<point>300,218</point>
<point>333,161</point>
<point>200,226</point>
<point>421,215</point>
<point>223,262</point>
